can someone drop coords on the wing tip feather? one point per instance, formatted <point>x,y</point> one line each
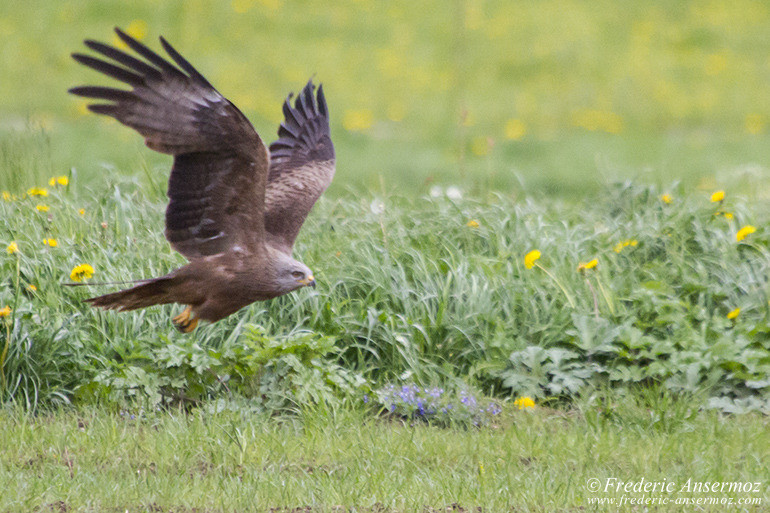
<point>104,109</point>
<point>321,97</point>
<point>183,63</point>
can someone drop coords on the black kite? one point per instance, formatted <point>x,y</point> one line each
<point>234,208</point>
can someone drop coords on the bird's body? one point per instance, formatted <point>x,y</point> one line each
<point>235,207</point>
<point>214,287</point>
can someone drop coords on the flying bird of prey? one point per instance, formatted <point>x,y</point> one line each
<point>234,207</point>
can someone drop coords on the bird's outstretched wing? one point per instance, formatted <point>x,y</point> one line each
<point>301,166</point>
<point>217,185</point>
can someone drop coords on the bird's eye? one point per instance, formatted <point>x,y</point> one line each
<point>298,274</point>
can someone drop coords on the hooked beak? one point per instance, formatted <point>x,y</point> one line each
<point>308,282</point>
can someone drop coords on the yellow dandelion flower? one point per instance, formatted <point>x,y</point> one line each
<point>726,215</point>
<point>81,272</point>
<point>716,63</point>
<point>58,180</point>
<point>37,191</point>
<point>42,208</point>
<point>481,145</point>
<point>667,199</point>
<point>588,265</point>
<point>82,211</point>
<point>530,258</point>
<point>754,124</point>
<point>31,288</point>
<point>744,232</point>
<point>472,224</point>
<point>137,29</point>
<point>7,196</point>
<point>524,402</point>
<point>718,196</point>
<point>51,242</point>
<point>358,120</point>
<point>515,129</point>
<point>396,112</point>
<point>12,248</point>
<point>5,311</point>
<point>594,119</point>
<point>81,106</point>
<point>241,6</point>
<point>733,314</point>
<point>624,244</point>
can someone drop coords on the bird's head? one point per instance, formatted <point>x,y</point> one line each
<point>293,275</point>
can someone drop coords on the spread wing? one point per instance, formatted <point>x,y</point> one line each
<point>301,166</point>
<point>217,185</point>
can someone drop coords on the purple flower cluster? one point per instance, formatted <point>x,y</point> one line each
<point>127,415</point>
<point>434,404</point>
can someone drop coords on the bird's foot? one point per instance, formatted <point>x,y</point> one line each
<point>185,322</point>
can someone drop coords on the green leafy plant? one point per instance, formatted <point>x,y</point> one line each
<point>274,374</point>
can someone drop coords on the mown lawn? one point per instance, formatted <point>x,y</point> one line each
<point>541,460</point>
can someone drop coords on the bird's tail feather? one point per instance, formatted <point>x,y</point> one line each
<point>151,292</point>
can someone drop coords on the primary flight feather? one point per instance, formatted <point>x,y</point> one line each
<point>234,208</point>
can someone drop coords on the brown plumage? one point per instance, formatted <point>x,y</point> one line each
<point>235,208</point>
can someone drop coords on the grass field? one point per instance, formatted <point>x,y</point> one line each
<point>544,259</point>
<point>434,291</point>
<point>560,96</point>
<point>530,461</point>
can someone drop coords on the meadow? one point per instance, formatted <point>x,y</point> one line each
<point>557,97</point>
<point>543,260</point>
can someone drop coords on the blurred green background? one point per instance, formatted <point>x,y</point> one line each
<point>552,97</point>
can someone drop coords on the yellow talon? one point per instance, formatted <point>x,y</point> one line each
<point>182,316</point>
<point>184,322</point>
<point>187,328</point>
